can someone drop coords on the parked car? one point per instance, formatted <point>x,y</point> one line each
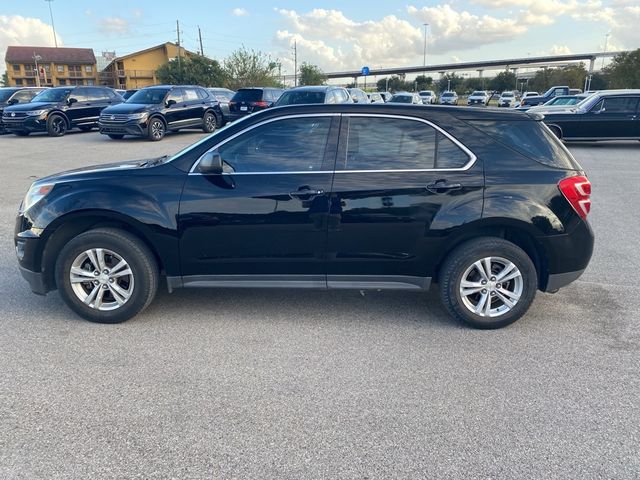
<point>428,96</point>
<point>449,98</point>
<point>533,100</point>
<point>14,95</point>
<point>507,99</point>
<point>314,94</point>
<point>479,97</point>
<point>606,115</point>
<point>386,96</point>
<point>249,100</point>
<point>274,201</point>
<point>223,96</point>
<point>153,111</point>
<point>529,94</point>
<point>375,97</point>
<point>406,97</point>
<point>57,110</point>
<point>563,102</point>
<point>357,95</point>
<point>128,93</point>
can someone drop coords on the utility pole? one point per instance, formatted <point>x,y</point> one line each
<point>55,40</point>
<point>295,63</point>
<point>424,51</point>
<point>35,59</point>
<point>200,38</point>
<point>606,38</point>
<point>178,31</point>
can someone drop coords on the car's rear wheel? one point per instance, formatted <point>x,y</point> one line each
<point>209,122</point>
<point>106,275</point>
<point>116,136</point>
<point>488,282</point>
<point>56,126</point>
<point>157,129</point>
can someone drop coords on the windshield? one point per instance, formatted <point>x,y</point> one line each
<point>588,102</point>
<point>298,98</point>
<point>563,101</point>
<point>478,94</point>
<point>52,95</point>
<point>426,93</point>
<point>447,94</point>
<point>507,94</point>
<point>401,99</point>
<point>5,94</point>
<point>148,96</point>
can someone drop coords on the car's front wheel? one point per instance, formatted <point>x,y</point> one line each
<point>157,129</point>
<point>106,275</point>
<point>56,126</point>
<point>209,122</point>
<point>488,282</point>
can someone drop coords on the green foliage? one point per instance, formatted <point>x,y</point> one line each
<point>451,79</point>
<point>311,75</point>
<point>422,82</point>
<point>599,82</point>
<point>474,83</point>
<point>250,68</point>
<point>5,79</point>
<point>195,70</point>
<point>571,75</point>
<point>624,70</point>
<point>395,84</point>
<point>503,81</point>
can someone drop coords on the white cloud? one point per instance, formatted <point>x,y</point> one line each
<point>560,50</point>
<point>18,30</point>
<point>114,25</point>
<point>240,12</point>
<point>137,13</point>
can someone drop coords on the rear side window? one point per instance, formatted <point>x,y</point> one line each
<point>532,139</point>
<point>248,95</point>
<point>407,145</point>
<point>300,97</point>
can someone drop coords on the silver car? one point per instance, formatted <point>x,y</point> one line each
<point>449,98</point>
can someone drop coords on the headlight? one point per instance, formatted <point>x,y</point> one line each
<point>35,194</point>
<point>36,113</point>
<point>137,116</point>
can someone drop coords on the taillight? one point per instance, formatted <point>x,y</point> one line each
<point>259,104</point>
<point>577,191</point>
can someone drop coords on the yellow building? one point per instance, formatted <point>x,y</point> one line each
<point>51,67</point>
<point>138,69</point>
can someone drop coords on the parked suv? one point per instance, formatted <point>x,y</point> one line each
<point>14,95</point>
<point>314,94</point>
<point>152,111</point>
<point>223,96</point>
<point>249,100</point>
<point>488,204</point>
<point>449,98</point>
<point>57,110</point>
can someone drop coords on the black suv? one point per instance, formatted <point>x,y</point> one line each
<point>249,100</point>
<point>486,203</point>
<point>14,95</point>
<point>57,110</point>
<point>152,111</point>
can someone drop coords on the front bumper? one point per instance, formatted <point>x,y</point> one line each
<point>138,128</point>
<point>25,124</point>
<point>28,248</point>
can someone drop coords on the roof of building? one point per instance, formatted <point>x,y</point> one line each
<point>139,52</point>
<point>50,55</point>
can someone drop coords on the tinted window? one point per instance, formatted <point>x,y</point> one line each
<point>80,94</point>
<point>248,95</point>
<point>190,94</point>
<point>294,97</point>
<point>5,94</point>
<point>175,95</point>
<point>531,139</point>
<point>408,144</point>
<point>148,96</point>
<point>296,144</point>
<point>202,94</point>
<point>401,99</point>
<point>97,94</point>
<point>620,104</point>
<point>24,96</point>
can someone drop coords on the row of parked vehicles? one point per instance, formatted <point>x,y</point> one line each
<point>153,111</point>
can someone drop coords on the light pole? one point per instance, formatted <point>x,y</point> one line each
<point>55,39</point>
<point>35,59</point>
<point>606,38</point>
<point>424,50</point>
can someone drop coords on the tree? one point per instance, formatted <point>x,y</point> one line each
<point>571,75</point>
<point>394,84</point>
<point>423,82</point>
<point>250,68</point>
<point>311,75</point>
<point>624,70</point>
<point>5,79</point>
<point>474,83</point>
<point>195,70</point>
<point>450,81</point>
<point>503,81</point>
<point>599,81</point>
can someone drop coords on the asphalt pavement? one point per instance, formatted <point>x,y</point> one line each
<point>262,384</point>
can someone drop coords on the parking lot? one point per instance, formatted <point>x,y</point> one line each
<point>322,384</point>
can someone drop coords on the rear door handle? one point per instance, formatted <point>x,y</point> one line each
<point>306,193</point>
<point>442,186</point>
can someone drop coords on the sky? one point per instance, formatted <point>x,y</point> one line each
<point>335,35</point>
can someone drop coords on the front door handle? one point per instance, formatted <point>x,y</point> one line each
<point>442,186</point>
<point>306,192</point>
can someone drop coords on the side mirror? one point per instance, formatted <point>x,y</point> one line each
<point>211,163</point>
<point>13,101</point>
<point>170,103</point>
<point>71,101</point>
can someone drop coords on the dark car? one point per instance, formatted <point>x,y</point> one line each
<point>153,111</point>
<point>14,95</point>
<point>223,96</point>
<point>57,110</point>
<point>249,100</point>
<point>127,93</point>
<point>605,115</point>
<point>314,94</point>
<point>486,203</point>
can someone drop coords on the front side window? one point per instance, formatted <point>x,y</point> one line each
<point>620,105</point>
<point>288,145</point>
<point>408,145</point>
<point>176,95</point>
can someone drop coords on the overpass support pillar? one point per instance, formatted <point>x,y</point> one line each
<point>480,72</point>
<point>592,64</point>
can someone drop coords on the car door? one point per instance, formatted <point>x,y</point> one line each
<point>194,106</point>
<point>266,214</point>
<point>613,117</point>
<point>394,202</point>
<point>99,99</point>
<point>80,110</point>
<point>175,112</point>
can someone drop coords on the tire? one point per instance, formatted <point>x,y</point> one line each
<point>102,303</point>
<point>157,129</point>
<point>116,136</point>
<point>461,264</point>
<point>209,122</point>
<point>56,125</point>
<point>85,128</point>
<point>22,133</point>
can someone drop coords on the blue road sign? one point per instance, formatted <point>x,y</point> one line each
<point>365,71</point>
